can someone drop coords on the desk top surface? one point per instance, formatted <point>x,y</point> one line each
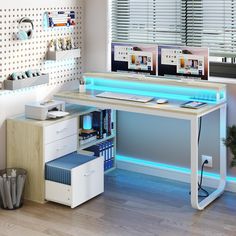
<point>171,109</point>
<point>74,111</point>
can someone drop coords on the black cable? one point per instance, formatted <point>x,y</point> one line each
<point>199,130</point>
<point>200,184</point>
<point>206,194</point>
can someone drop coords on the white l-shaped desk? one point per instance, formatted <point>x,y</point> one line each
<point>172,110</point>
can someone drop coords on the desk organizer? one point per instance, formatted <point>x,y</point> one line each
<point>63,55</point>
<point>158,87</point>
<point>25,83</point>
<point>74,179</point>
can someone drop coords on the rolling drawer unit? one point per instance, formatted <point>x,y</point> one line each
<point>74,179</point>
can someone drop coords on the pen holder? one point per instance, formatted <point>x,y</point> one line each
<point>82,88</point>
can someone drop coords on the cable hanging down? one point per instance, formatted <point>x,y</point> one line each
<point>206,194</point>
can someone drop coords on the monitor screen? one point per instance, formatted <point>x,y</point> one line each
<point>183,61</point>
<point>134,58</point>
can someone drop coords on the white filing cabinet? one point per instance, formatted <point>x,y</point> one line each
<point>32,143</point>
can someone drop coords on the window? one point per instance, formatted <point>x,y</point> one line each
<point>211,24</point>
<point>148,21</point>
<point>206,23</point>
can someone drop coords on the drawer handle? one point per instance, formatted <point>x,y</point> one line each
<point>89,173</point>
<point>60,149</point>
<point>61,131</point>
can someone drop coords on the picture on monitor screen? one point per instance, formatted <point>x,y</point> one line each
<point>140,61</point>
<point>190,65</point>
<point>134,58</point>
<point>183,61</point>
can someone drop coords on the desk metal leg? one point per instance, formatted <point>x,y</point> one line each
<point>194,163</point>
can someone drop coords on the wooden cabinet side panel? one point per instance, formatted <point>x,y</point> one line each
<point>25,150</point>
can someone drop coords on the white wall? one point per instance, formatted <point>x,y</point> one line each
<point>174,149</point>
<point>96,41</point>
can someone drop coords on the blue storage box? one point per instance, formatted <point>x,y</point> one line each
<point>59,170</point>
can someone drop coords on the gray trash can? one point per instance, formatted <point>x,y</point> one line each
<point>12,182</point>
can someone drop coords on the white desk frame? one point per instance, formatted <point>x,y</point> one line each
<point>171,112</point>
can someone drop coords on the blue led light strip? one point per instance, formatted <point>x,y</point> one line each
<point>146,93</point>
<point>168,167</point>
<point>174,92</point>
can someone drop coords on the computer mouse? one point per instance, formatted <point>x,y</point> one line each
<point>162,101</point>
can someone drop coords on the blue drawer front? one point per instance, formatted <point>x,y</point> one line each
<point>58,175</point>
<point>59,170</point>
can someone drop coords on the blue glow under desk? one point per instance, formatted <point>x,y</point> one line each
<point>177,92</point>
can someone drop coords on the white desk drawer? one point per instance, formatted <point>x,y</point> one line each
<point>57,192</point>
<point>87,181</point>
<point>60,130</point>
<point>60,148</point>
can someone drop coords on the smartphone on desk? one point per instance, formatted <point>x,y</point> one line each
<point>193,104</point>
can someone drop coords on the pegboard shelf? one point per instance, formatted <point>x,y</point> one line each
<point>25,83</point>
<point>63,55</point>
<point>31,54</point>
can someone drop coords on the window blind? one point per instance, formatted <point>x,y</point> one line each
<point>149,21</point>
<point>211,23</point>
<point>206,23</point>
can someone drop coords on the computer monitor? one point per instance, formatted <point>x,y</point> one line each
<point>134,58</point>
<point>189,62</point>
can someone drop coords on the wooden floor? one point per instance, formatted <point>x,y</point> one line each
<point>133,204</point>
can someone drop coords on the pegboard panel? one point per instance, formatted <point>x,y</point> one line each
<point>16,56</point>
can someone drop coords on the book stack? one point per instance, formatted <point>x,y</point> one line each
<point>105,149</point>
<point>102,123</point>
<point>87,136</point>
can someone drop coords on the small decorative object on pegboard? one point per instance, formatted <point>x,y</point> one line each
<point>61,44</point>
<point>61,49</point>
<point>60,18</point>
<point>19,80</point>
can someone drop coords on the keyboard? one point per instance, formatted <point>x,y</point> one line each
<point>124,96</point>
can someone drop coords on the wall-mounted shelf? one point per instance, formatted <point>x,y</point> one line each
<point>63,55</point>
<point>25,83</point>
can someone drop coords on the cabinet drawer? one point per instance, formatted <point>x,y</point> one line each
<point>56,192</point>
<point>87,181</point>
<point>60,130</point>
<point>60,148</point>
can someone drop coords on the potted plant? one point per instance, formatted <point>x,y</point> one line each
<point>230,142</point>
